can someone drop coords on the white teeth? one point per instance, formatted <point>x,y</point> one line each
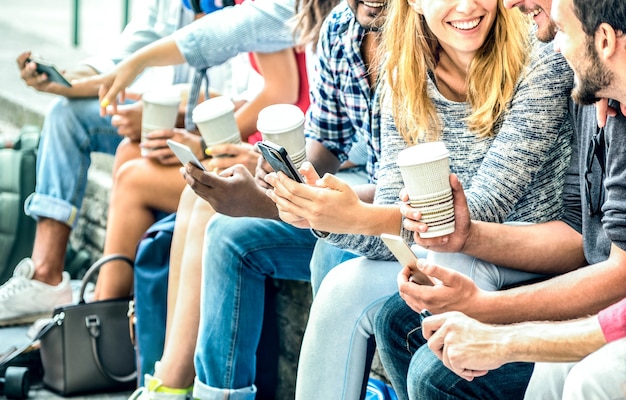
<point>467,25</point>
<point>373,4</point>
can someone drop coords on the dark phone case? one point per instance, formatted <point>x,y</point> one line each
<point>53,74</point>
<point>278,158</point>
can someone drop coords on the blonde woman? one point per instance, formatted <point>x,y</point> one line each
<point>464,72</point>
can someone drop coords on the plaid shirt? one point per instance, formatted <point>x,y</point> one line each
<point>343,108</point>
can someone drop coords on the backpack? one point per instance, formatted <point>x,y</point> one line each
<point>18,167</point>
<point>152,265</point>
<point>379,390</point>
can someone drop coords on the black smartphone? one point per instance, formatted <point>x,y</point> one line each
<point>53,74</point>
<point>278,158</point>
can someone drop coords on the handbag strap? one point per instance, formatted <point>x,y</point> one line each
<point>93,326</point>
<point>96,267</point>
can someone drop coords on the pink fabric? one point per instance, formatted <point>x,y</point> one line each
<point>613,321</point>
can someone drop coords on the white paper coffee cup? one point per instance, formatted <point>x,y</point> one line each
<point>283,124</point>
<point>160,110</point>
<point>425,170</point>
<point>215,119</point>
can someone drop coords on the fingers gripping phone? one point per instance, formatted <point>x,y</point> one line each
<point>53,74</point>
<point>184,154</point>
<point>406,257</point>
<point>278,158</point>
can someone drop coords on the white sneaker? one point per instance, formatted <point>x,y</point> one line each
<point>23,300</point>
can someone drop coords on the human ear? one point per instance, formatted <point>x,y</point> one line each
<point>416,5</point>
<point>605,41</point>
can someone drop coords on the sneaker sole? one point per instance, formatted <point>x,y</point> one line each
<point>23,319</point>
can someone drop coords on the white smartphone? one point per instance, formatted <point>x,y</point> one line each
<point>184,154</point>
<point>406,257</point>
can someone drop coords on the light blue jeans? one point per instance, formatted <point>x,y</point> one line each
<point>72,130</point>
<point>239,254</point>
<point>333,359</point>
<point>601,375</point>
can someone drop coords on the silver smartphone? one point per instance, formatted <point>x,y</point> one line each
<point>406,257</point>
<point>184,154</point>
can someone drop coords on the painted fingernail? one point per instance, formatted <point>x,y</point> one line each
<point>104,103</point>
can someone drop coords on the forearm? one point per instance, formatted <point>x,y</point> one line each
<point>163,52</point>
<point>548,248</point>
<point>572,295</point>
<point>551,342</point>
<point>373,220</point>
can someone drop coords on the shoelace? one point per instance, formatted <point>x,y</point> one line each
<point>13,286</point>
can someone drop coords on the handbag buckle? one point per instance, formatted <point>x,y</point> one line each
<point>92,322</point>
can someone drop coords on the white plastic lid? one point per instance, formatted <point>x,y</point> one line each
<point>422,153</point>
<point>279,118</point>
<point>212,108</point>
<point>168,96</point>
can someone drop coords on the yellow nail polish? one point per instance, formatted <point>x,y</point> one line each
<point>207,151</point>
<point>104,103</point>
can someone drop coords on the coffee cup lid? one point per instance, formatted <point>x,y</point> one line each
<point>422,153</point>
<point>169,96</point>
<point>279,118</point>
<point>212,108</point>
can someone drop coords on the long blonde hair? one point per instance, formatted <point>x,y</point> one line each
<point>411,51</point>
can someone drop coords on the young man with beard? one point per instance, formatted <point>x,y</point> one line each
<point>471,348</point>
<point>591,37</point>
<point>240,253</point>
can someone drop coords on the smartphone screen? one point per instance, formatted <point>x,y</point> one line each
<point>278,158</point>
<point>184,154</point>
<point>53,74</point>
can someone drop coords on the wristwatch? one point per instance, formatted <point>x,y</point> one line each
<point>320,234</point>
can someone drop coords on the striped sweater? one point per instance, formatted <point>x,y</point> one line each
<point>515,175</point>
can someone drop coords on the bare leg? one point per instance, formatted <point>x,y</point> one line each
<point>49,250</point>
<point>177,369</point>
<point>140,186</point>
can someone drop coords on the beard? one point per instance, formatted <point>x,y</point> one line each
<point>592,78</point>
<point>548,34</point>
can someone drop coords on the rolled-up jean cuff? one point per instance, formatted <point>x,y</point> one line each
<point>41,206</point>
<point>204,392</point>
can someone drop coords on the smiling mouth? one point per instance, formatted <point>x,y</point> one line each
<point>374,4</point>
<point>466,25</point>
<point>531,13</point>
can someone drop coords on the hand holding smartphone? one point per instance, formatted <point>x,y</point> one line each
<point>53,74</point>
<point>184,154</point>
<point>406,257</point>
<point>278,158</point>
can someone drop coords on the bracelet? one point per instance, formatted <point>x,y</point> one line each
<point>204,147</point>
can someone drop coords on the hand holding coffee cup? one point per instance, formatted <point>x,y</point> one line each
<point>160,111</point>
<point>425,170</point>
<point>215,119</point>
<point>283,124</point>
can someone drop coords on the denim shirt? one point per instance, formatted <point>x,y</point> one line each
<point>260,25</point>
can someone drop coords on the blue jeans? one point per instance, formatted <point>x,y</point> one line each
<point>416,373</point>
<point>72,130</point>
<point>239,254</point>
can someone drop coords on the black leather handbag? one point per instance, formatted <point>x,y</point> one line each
<point>88,348</point>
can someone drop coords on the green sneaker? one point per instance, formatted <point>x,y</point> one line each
<point>154,390</point>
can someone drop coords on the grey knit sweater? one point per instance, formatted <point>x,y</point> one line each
<point>516,175</point>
